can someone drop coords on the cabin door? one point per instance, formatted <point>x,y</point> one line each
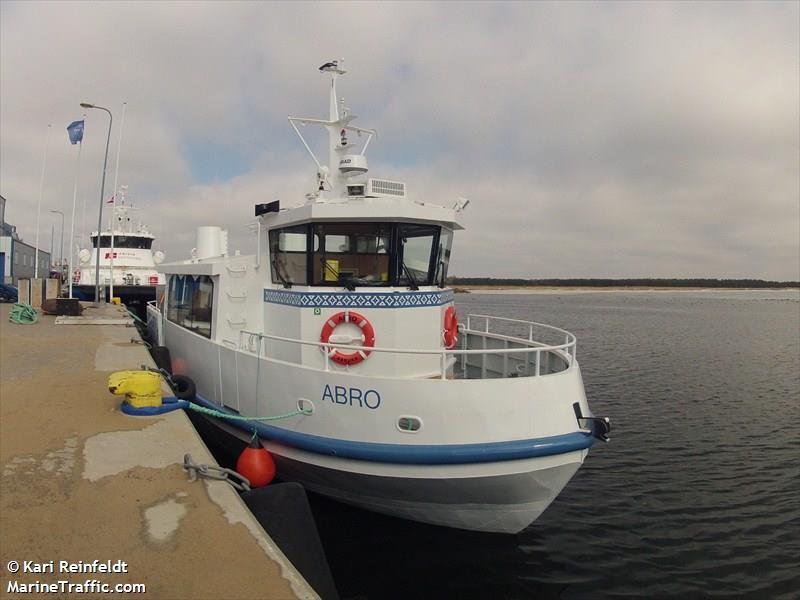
<point>228,378</point>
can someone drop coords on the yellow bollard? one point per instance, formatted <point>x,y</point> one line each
<point>141,388</point>
<point>116,300</point>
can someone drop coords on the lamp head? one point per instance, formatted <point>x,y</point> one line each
<point>87,105</point>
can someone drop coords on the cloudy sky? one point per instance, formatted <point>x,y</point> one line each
<point>593,140</point>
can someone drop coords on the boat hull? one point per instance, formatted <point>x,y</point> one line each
<point>491,454</point>
<point>86,292</point>
<point>496,497</point>
<point>135,297</point>
<point>490,497</point>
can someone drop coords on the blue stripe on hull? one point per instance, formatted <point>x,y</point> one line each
<point>444,454</point>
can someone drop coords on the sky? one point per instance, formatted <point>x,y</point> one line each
<point>618,139</point>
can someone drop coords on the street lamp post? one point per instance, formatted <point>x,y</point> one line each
<point>61,251</point>
<point>39,207</point>
<point>102,194</point>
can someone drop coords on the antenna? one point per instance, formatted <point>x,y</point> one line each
<point>341,162</point>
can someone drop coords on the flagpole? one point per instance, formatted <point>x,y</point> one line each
<point>114,197</point>
<point>83,212</point>
<point>72,226</point>
<point>39,207</point>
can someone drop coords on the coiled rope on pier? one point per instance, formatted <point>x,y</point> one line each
<point>23,314</point>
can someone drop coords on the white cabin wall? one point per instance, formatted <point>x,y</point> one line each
<point>401,328</point>
<point>283,321</point>
<point>238,307</point>
<point>409,328</point>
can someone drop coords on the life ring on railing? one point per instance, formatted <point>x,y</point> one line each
<point>367,337</point>
<point>450,331</point>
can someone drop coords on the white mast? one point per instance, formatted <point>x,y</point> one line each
<point>341,163</point>
<point>333,119</point>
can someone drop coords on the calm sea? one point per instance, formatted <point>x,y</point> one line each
<point>697,495</point>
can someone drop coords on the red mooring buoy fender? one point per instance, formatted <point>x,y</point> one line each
<point>256,463</point>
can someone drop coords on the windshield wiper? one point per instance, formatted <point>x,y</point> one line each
<point>287,284</point>
<point>414,286</point>
<point>348,284</point>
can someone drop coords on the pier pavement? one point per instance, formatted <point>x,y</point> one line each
<point>84,485</point>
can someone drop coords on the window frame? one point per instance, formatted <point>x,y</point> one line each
<point>441,281</point>
<point>306,227</point>
<point>144,243</point>
<point>352,243</point>
<point>400,259</point>
<point>315,246</point>
<point>194,307</point>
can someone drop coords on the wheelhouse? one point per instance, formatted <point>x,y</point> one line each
<point>360,254</point>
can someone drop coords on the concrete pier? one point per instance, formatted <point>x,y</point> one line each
<point>82,482</point>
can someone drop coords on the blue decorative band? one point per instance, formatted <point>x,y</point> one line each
<point>444,454</point>
<point>358,299</point>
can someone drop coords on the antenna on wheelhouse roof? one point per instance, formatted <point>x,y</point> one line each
<point>343,162</point>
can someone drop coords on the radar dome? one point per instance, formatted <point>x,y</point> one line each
<point>353,164</point>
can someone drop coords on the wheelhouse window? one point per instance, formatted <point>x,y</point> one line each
<point>352,254</point>
<point>123,241</point>
<point>360,254</point>
<point>443,257</point>
<point>288,249</point>
<point>191,302</point>
<point>415,254</point>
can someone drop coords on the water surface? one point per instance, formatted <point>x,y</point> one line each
<point>697,495</point>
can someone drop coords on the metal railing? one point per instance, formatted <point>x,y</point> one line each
<point>519,356</point>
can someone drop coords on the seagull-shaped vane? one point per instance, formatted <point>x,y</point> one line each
<point>329,66</point>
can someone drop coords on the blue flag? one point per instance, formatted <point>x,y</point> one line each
<point>75,130</point>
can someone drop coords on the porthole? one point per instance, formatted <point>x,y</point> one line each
<point>409,424</point>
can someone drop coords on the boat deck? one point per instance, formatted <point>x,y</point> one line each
<point>83,482</point>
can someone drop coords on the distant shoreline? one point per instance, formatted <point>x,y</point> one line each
<point>575,289</point>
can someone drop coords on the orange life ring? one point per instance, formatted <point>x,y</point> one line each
<point>450,331</point>
<point>367,337</point>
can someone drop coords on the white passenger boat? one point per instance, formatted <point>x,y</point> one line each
<point>343,320</point>
<point>129,256</point>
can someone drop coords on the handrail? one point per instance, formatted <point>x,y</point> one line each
<point>567,348</point>
<point>426,351</point>
<point>529,323</point>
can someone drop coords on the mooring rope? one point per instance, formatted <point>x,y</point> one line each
<point>136,317</point>
<point>224,415</point>
<point>170,404</point>
<point>23,314</point>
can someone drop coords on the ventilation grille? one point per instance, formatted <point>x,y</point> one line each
<point>382,187</point>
